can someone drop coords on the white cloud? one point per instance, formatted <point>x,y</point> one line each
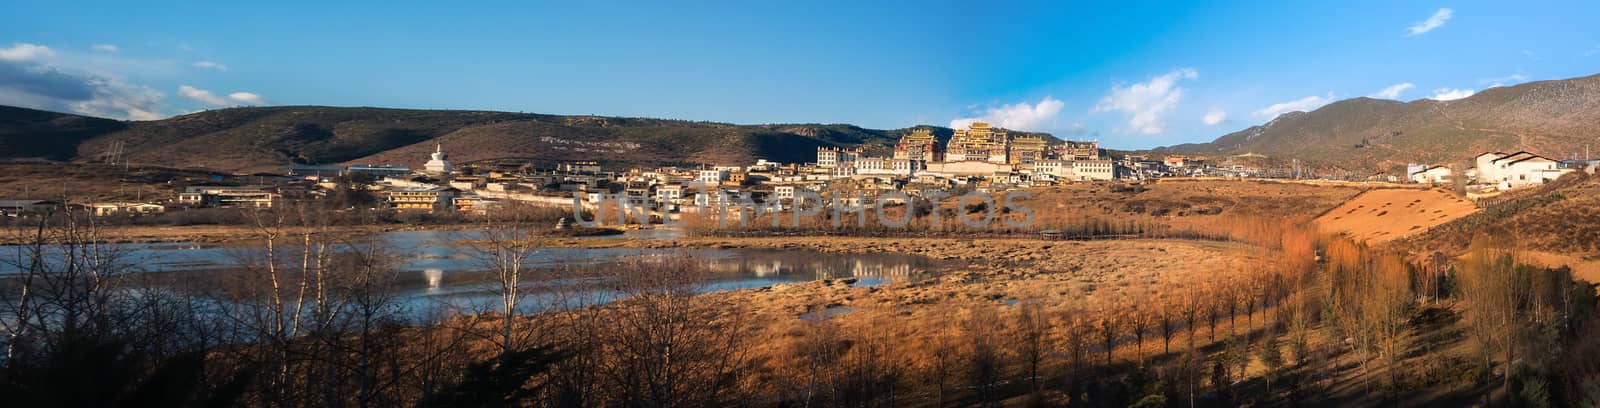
<point>211,65</point>
<point>1147,101</point>
<point>105,48</point>
<point>34,76</point>
<point>1019,116</point>
<point>1437,20</point>
<point>1512,79</point>
<point>247,98</point>
<point>209,98</point>
<point>123,101</point>
<point>1214,116</point>
<point>201,95</point>
<point>1305,104</point>
<point>20,52</point>
<point>1530,54</point>
<point>1393,91</point>
<point>1592,51</point>
<point>1450,94</point>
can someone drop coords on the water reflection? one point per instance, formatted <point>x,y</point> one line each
<point>434,267</point>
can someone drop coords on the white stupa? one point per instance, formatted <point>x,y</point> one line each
<point>437,164</point>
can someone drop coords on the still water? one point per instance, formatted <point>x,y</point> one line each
<point>433,268</point>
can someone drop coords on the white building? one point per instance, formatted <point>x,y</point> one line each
<point>669,193</point>
<point>831,157</point>
<point>1094,169</point>
<point>437,162</point>
<point>711,177</point>
<point>1516,170</point>
<point>1432,175</point>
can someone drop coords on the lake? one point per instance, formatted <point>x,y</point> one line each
<point>434,267</point>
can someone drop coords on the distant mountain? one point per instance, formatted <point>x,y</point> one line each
<point>1556,118</point>
<point>266,138</point>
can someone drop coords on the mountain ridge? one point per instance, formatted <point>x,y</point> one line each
<point>257,139</point>
<point>1552,117</point>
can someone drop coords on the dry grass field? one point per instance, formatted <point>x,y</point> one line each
<point>1383,215</point>
<point>92,182</point>
<point>1198,200</point>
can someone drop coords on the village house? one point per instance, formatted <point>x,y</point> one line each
<point>255,196</point>
<point>123,208</point>
<point>1432,175</point>
<point>669,193</point>
<point>711,177</point>
<point>1092,170</point>
<point>831,157</point>
<point>421,198</point>
<point>471,204</point>
<point>1516,170</point>
<point>14,208</point>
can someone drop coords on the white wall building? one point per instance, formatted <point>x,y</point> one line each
<point>1094,169</point>
<point>1516,170</point>
<point>438,164</point>
<point>711,177</point>
<point>1432,175</point>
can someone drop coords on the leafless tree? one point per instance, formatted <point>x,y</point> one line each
<point>1497,290</point>
<point>985,358</point>
<point>1108,328</point>
<point>508,248</point>
<point>1033,343</point>
<point>666,346</point>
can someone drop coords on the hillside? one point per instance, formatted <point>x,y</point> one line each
<point>266,138</point>
<point>28,133</point>
<point>1556,118</point>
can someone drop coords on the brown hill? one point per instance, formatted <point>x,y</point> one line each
<point>28,133</point>
<point>1556,118</point>
<point>266,138</point>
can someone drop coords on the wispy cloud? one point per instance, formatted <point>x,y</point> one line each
<point>1019,116</point>
<point>1214,116</point>
<point>211,65</point>
<point>1450,94</point>
<point>1303,105</point>
<point>1393,91</point>
<point>1592,51</point>
<point>1512,79</point>
<point>209,98</point>
<point>105,48</point>
<point>1437,20</point>
<point>1147,102</point>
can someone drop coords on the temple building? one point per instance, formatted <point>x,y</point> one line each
<point>978,142</point>
<point>1079,150</point>
<point>438,164</point>
<point>919,145</point>
<point>1026,150</point>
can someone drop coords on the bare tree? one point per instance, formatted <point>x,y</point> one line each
<point>1139,319</point>
<point>1166,322</point>
<point>1496,290</point>
<point>667,346</point>
<point>1109,328</point>
<point>508,248</point>
<point>1033,343</point>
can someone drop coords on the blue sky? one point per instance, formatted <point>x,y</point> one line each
<point>1133,75</point>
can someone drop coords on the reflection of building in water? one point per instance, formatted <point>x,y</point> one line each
<point>816,269</point>
<point>434,276</point>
